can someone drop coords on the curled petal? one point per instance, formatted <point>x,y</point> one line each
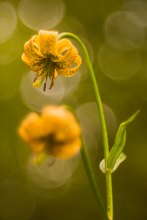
<point>31,127</point>
<point>35,65</point>
<point>69,131</point>
<point>35,46</point>
<point>69,58</point>
<point>55,117</point>
<point>25,59</point>
<point>72,69</point>
<point>47,41</point>
<point>61,120</point>
<point>32,56</point>
<point>62,50</point>
<point>31,49</point>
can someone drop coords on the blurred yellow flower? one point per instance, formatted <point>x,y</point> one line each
<point>49,56</point>
<point>55,131</point>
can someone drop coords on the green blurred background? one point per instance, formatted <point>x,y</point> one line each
<point>115,33</point>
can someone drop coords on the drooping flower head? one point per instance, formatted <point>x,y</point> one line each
<point>55,131</point>
<point>49,56</point>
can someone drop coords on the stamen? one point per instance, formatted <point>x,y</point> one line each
<point>44,86</point>
<point>52,82</point>
<point>34,79</point>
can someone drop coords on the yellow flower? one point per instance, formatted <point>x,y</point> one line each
<point>49,56</point>
<point>55,131</point>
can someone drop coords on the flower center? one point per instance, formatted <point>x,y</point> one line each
<point>50,142</point>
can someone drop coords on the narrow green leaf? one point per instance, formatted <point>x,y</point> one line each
<point>131,118</point>
<point>118,147</point>
<point>119,142</point>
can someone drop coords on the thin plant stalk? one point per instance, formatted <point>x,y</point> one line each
<point>92,181</point>
<point>102,122</point>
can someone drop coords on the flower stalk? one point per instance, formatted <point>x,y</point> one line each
<point>102,121</point>
<point>92,181</point>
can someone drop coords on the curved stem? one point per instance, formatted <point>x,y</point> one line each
<point>102,121</point>
<point>92,181</point>
<point>96,90</point>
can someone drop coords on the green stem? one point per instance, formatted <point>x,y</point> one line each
<point>101,118</point>
<point>93,182</point>
<point>109,195</point>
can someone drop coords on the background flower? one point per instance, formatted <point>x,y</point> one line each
<point>54,132</point>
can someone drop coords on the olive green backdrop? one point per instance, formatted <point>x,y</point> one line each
<point>114,32</point>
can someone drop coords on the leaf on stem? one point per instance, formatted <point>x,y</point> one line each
<point>119,160</point>
<point>119,142</point>
<point>116,156</point>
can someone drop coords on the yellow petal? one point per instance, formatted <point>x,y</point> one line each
<point>68,57</point>
<point>67,150</point>
<point>64,125</point>
<point>55,74</point>
<point>31,127</point>
<point>25,59</point>
<point>54,116</point>
<point>35,66</point>
<point>39,80</point>
<point>37,146</point>
<point>30,49</point>
<point>71,70</point>
<point>62,50</point>
<point>47,41</point>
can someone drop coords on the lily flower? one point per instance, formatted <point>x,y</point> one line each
<point>49,56</point>
<point>53,132</point>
